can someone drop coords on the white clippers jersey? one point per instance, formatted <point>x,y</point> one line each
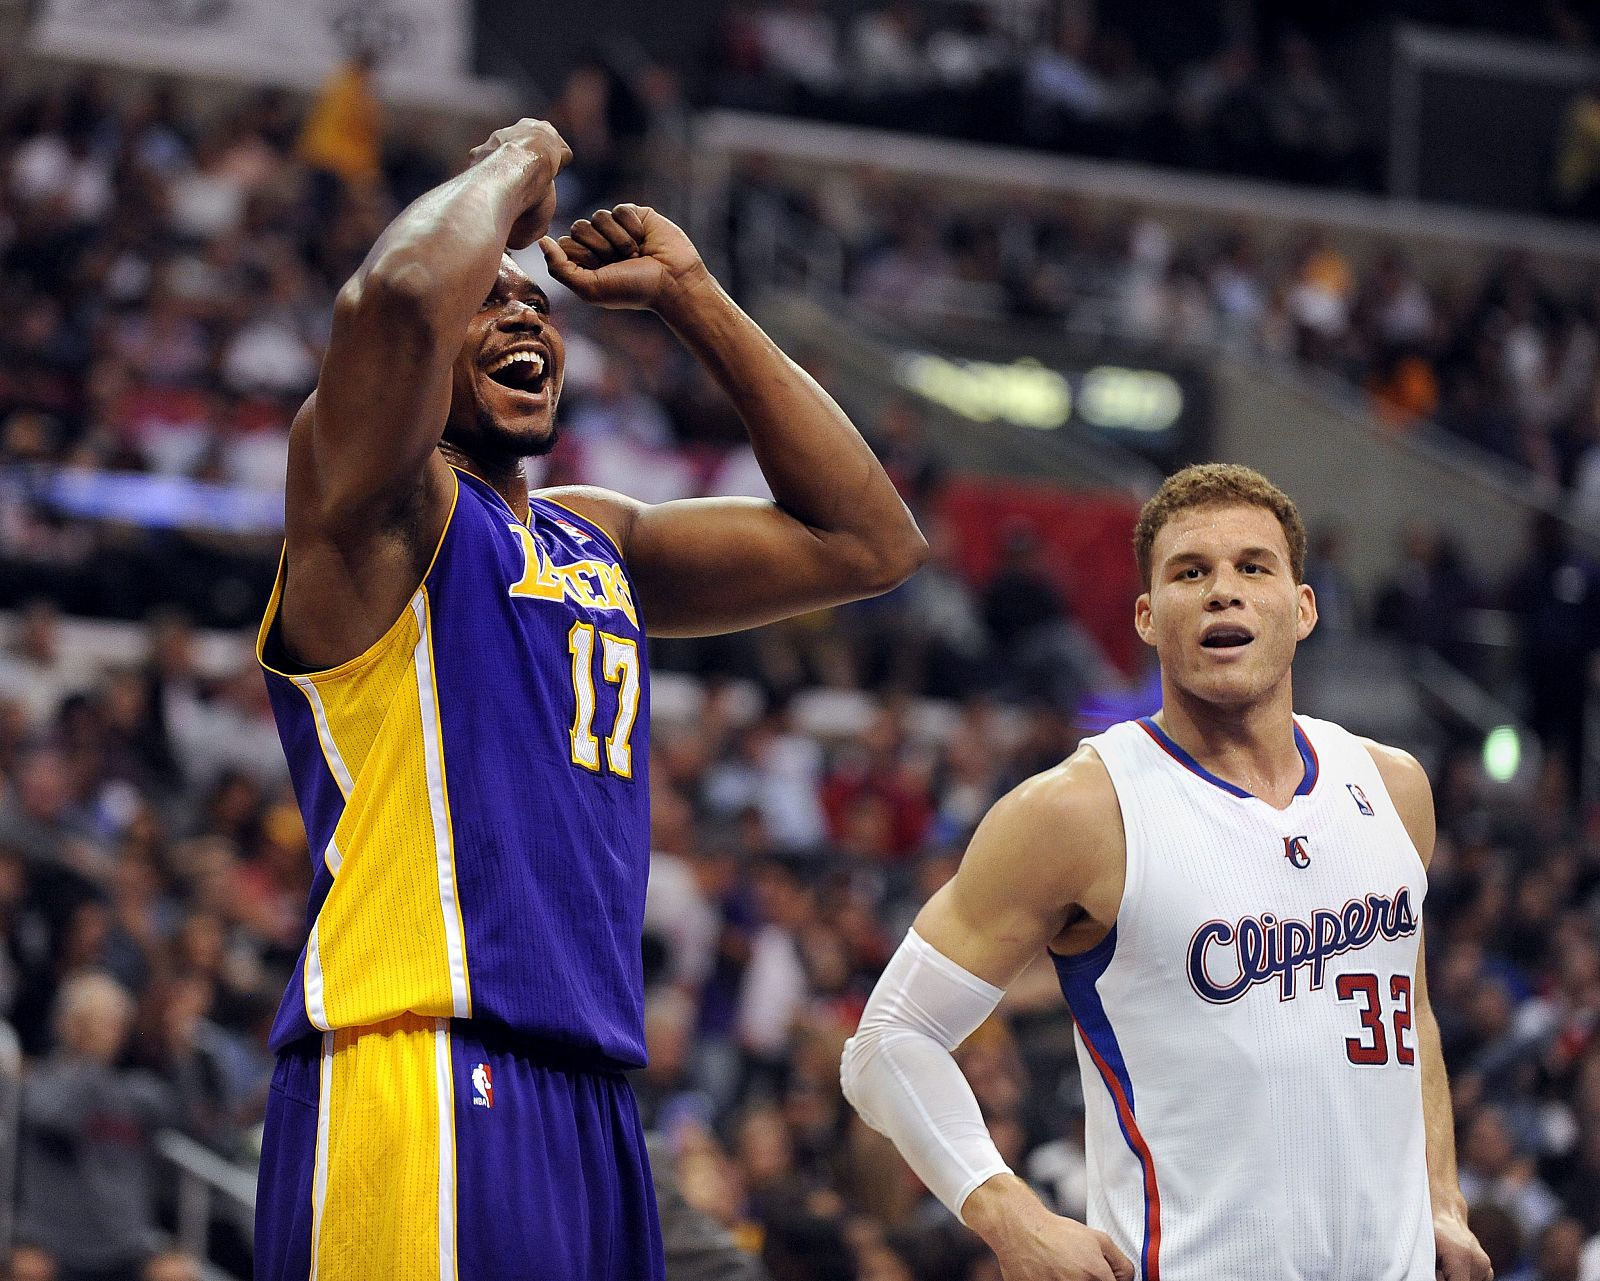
<point>1251,1078</point>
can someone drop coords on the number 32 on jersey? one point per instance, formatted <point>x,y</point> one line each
<point>619,666</point>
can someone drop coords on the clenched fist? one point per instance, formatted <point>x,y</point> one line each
<point>627,257</point>
<point>540,144</point>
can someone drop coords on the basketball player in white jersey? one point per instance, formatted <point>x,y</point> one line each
<point>1232,898</point>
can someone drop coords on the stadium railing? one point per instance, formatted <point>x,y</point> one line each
<point>203,1179</point>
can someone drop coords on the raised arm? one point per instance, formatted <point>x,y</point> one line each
<point>1460,1257</point>
<point>836,530</point>
<point>367,495</point>
<point>1047,858</point>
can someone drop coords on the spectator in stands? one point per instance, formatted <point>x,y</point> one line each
<point>1312,129</point>
<point>1586,467</point>
<point>1044,652</point>
<point>695,1238</point>
<point>1222,112</point>
<point>1060,87</point>
<point>1427,600</point>
<point>1493,1171</point>
<point>799,43</point>
<point>773,987</point>
<point>969,50</point>
<point>36,670</point>
<point>1560,1252</point>
<point>341,142</point>
<point>887,61</point>
<point>1555,597</point>
<point>87,1141</point>
<point>42,819</point>
<point>804,1246</point>
<point>1577,168</point>
<point>1501,1239</point>
<point>1338,612</point>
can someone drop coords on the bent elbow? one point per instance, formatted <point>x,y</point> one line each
<point>914,555</point>
<point>397,293</point>
<point>896,562</point>
<point>851,1064</point>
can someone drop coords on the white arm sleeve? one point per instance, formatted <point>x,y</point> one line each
<point>898,1074</point>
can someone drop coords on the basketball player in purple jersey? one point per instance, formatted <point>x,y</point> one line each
<point>1231,895</point>
<point>457,668</point>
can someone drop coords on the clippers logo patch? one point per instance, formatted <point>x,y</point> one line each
<point>1227,959</point>
<point>1294,849</point>
<point>1360,798</point>
<point>482,1086</point>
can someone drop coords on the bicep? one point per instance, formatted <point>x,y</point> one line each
<point>382,397</point>
<point>1028,864</point>
<point>707,565</point>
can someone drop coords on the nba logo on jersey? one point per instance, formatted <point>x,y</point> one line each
<point>573,530</point>
<point>1360,798</point>
<point>482,1086</point>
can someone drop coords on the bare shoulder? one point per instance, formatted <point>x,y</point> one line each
<point>1047,855</point>
<point>1079,789</point>
<point>1061,822</point>
<point>1409,789</point>
<point>613,512</point>
<point>1402,773</point>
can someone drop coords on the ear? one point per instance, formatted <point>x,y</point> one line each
<point>1143,623</point>
<point>1308,612</point>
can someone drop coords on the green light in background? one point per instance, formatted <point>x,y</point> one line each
<point>1023,392</point>
<point>1502,753</point>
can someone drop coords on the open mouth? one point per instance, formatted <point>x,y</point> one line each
<point>1226,637</point>
<point>525,370</point>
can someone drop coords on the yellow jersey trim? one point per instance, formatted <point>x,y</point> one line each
<point>373,650</point>
<point>584,516</point>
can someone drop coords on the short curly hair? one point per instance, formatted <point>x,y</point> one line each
<point>1218,485</point>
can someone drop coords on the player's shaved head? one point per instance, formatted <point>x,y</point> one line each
<point>1218,485</point>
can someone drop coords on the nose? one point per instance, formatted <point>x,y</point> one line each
<point>521,315</point>
<point>1223,591</point>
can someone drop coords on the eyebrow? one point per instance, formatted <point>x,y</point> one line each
<point>519,286</point>
<point>1244,553</point>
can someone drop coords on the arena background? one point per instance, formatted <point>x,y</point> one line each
<point>1043,254</point>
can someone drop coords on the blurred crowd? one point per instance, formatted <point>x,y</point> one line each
<point>169,283</point>
<point>1504,358</point>
<point>1242,89</point>
<point>1174,90</point>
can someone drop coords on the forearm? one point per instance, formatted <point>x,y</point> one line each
<point>898,1072</point>
<point>1439,1120</point>
<point>444,248</point>
<point>819,468</point>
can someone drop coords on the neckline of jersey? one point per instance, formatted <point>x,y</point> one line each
<point>597,530</point>
<point>1308,757</point>
<point>497,495</point>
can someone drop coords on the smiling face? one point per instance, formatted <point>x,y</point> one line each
<point>1223,612</point>
<point>506,379</point>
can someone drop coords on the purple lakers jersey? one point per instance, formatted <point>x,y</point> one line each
<point>474,787</point>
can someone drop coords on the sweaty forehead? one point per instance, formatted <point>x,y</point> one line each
<point>514,282</point>
<point>1219,530</point>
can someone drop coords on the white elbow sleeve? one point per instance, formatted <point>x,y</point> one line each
<point>898,1074</point>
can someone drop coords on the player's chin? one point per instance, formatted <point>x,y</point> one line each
<point>523,432</point>
<point>527,437</point>
<point>1226,688</point>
